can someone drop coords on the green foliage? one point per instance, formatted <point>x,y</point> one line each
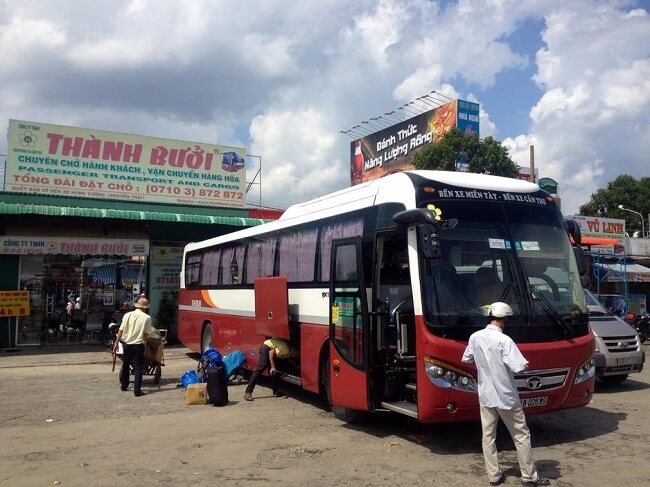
<point>167,308</point>
<point>485,156</point>
<point>624,190</point>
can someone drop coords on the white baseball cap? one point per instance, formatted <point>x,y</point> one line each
<point>500,310</point>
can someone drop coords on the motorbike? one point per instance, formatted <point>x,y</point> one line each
<point>110,327</point>
<point>641,323</point>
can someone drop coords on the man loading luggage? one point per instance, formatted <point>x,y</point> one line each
<point>271,349</point>
<point>135,327</point>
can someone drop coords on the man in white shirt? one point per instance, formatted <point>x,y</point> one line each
<point>497,359</point>
<point>135,327</point>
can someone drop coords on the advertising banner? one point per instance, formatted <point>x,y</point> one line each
<point>164,281</point>
<point>14,303</point>
<point>393,148</point>
<point>593,226</point>
<point>72,246</point>
<point>70,161</point>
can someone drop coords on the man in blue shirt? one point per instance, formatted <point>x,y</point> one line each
<point>497,359</point>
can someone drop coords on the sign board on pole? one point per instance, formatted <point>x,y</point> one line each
<point>14,303</point>
<point>393,148</point>
<point>71,161</point>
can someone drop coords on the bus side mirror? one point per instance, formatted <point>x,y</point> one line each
<point>428,242</point>
<point>582,266</point>
<point>573,229</point>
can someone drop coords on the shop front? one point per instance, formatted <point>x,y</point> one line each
<point>84,267</point>
<point>74,289</point>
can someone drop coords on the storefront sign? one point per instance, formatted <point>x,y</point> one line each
<point>14,303</point>
<point>72,246</point>
<point>592,226</point>
<point>393,148</point>
<point>165,270</point>
<point>71,161</point>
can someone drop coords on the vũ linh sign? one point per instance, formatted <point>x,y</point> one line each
<point>14,303</point>
<point>70,161</point>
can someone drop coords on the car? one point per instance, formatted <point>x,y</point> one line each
<point>618,350</point>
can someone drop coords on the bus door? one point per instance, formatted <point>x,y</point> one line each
<point>349,326</point>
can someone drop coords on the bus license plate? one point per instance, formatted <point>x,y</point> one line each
<point>531,402</point>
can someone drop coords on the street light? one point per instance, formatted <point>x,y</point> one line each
<point>640,214</point>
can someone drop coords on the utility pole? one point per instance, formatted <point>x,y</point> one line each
<point>532,164</point>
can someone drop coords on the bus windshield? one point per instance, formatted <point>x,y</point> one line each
<point>503,251</point>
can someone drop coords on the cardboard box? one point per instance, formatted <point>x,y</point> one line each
<point>196,394</point>
<point>154,355</point>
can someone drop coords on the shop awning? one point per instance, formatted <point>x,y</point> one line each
<point>635,272</point>
<point>50,210</point>
<point>599,241</point>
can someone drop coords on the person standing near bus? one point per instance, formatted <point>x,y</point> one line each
<point>135,327</point>
<point>271,349</point>
<point>497,359</point>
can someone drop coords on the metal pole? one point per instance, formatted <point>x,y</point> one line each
<point>640,215</point>
<point>259,171</point>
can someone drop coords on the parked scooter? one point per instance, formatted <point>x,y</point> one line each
<point>110,326</point>
<point>641,323</point>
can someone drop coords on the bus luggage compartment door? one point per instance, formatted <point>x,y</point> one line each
<point>349,327</point>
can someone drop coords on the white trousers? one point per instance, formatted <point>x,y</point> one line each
<point>515,421</point>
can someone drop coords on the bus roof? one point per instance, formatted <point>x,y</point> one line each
<point>394,188</point>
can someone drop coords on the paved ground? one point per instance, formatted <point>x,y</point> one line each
<point>64,421</point>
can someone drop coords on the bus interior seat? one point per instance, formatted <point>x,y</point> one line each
<point>487,286</point>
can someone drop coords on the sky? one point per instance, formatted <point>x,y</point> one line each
<point>282,79</point>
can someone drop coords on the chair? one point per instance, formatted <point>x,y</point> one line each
<point>487,286</point>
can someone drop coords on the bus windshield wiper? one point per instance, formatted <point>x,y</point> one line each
<point>551,312</point>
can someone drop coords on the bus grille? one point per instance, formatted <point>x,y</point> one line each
<point>541,380</point>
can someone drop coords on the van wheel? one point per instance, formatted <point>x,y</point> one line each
<point>614,379</point>
<point>342,414</point>
<point>207,340</point>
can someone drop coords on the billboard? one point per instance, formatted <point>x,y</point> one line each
<point>593,226</point>
<point>70,161</point>
<point>392,149</point>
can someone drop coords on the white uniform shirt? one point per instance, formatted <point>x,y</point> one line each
<point>497,359</point>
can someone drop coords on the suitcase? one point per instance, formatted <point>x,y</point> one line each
<point>217,386</point>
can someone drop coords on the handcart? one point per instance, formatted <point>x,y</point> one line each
<point>154,358</point>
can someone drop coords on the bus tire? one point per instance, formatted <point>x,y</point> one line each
<point>342,414</point>
<point>207,338</point>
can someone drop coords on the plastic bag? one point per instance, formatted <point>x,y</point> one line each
<point>189,377</point>
<point>154,338</point>
<point>210,359</point>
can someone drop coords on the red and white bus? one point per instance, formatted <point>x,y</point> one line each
<point>380,285</point>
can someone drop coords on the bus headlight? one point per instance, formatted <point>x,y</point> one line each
<point>586,371</point>
<point>447,376</point>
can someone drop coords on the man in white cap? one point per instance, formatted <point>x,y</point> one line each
<point>497,359</point>
<point>135,327</point>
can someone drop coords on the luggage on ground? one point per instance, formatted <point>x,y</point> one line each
<point>196,394</point>
<point>217,386</point>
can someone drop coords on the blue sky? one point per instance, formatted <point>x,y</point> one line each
<point>572,78</point>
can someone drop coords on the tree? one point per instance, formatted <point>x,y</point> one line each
<point>624,190</point>
<point>485,156</point>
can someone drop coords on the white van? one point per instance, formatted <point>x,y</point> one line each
<point>618,348</point>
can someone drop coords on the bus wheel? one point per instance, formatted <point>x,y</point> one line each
<point>206,340</point>
<point>342,414</point>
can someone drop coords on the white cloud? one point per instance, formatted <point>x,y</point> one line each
<point>299,156</point>
<point>283,82</point>
<point>591,124</point>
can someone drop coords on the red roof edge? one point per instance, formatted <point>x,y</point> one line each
<point>265,214</point>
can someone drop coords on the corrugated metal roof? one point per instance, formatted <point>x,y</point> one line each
<point>49,210</point>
